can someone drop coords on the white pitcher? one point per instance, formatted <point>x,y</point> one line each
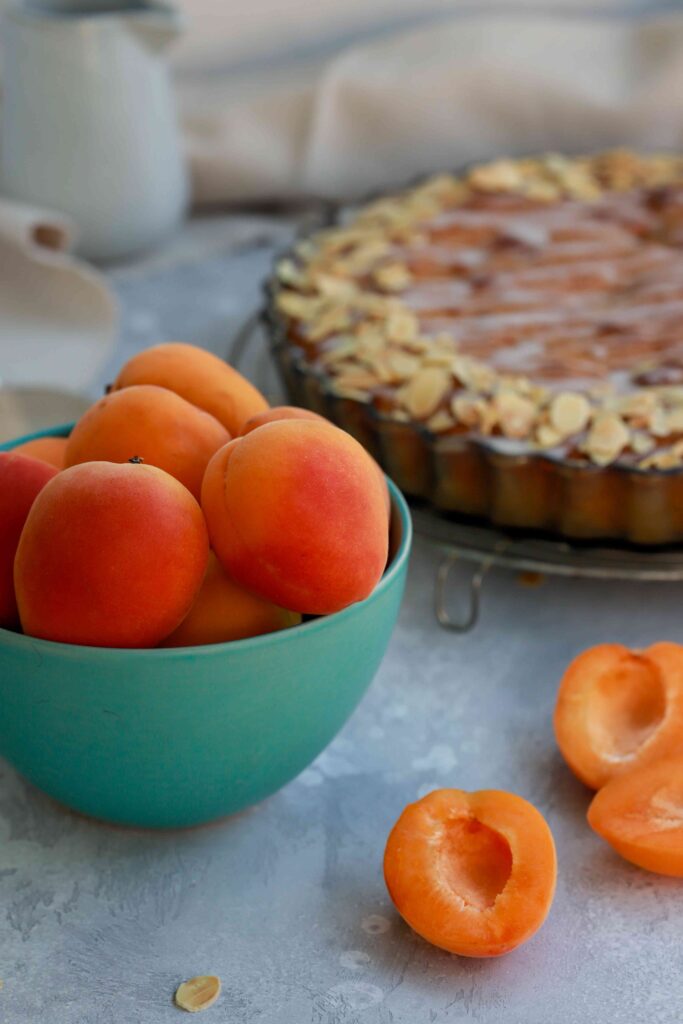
<point>89,124</point>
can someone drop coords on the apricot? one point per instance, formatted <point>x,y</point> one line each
<point>293,412</point>
<point>617,709</point>
<point>280,412</point>
<point>48,449</point>
<point>110,556</point>
<point>296,513</point>
<point>225,611</point>
<point>199,377</point>
<point>153,424</point>
<point>640,814</point>
<point>21,480</point>
<point>472,873</point>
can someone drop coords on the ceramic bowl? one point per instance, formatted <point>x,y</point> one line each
<point>180,736</point>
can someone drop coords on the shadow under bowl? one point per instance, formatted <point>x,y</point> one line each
<point>175,737</point>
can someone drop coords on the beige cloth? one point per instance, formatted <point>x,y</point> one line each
<point>58,320</point>
<point>462,89</point>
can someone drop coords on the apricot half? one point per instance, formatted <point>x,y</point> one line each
<point>199,377</point>
<point>225,611</point>
<point>21,480</point>
<point>640,814</point>
<point>110,555</point>
<point>617,709</point>
<point>153,424</point>
<point>297,513</point>
<point>473,873</point>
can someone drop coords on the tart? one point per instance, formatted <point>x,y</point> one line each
<point>508,342</point>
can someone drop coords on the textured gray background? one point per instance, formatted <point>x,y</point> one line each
<point>286,901</point>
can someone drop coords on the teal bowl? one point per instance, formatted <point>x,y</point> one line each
<point>174,737</point>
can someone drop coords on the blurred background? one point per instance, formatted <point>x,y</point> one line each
<point>136,134</point>
<point>332,98</point>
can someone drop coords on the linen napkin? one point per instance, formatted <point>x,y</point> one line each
<point>58,320</point>
<point>468,87</point>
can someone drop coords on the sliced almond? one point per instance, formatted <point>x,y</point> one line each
<point>499,176</point>
<point>357,380</point>
<point>674,421</point>
<point>666,459</point>
<point>473,375</point>
<point>658,424</point>
<point>393,277</point>
<point>425,391</point>
<point>516,414</point>
<point>363,257</point>
<point>438,357</point>
<point>333,318</point>
<point>332,286</point>
<point>440,422</point>
<point>290,272</point>
<point>607,439</point>
<point>672,396</point>
<point>542,191</point>
<point>547,436</point>
<point>641,443</point>
<point>403,364</point>
<point>354,394</point>
<point>369,340</point>
<point>638,407</point>
<point>402,326</point>
<point>300,307</point>
<point>569,413</point>
<point>470,410</point>
<point>198,993</point>
<point>346,347</point>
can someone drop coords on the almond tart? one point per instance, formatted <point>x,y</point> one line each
<point>507,342</point>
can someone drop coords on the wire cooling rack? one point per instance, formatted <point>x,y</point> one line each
<point>483,546</point>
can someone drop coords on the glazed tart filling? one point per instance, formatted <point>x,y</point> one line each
<point>536,303</point>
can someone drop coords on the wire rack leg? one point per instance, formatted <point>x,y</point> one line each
<point>471,617</point>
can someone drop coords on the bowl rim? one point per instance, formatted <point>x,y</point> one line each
<point>395,567</point>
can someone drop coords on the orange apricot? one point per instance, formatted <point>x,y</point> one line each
<point>110,556</point>
<point>473,873</point>
<point>280,412</point>
<point>640,814</point>
<point>153,424</point>
<point>297,514</point>
<point>21,480</point>
<point>199,377</point>
<point>48,449</point>
<point>618,708</point>
<point>225,611</point>
<point>293,412</point>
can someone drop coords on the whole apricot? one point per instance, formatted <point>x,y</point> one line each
<point>199,377</point>
<point>297,513</point>
<point>153,424</point>
<point>110,556</point>
<point>280,412</point>
<point>48,449</point>
<point>21,480</point>
<point>293,412</point>
<point>225,611</point>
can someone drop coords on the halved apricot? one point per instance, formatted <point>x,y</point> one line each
<point>641,816</point>
<point>618,708</point>
<point>473,873</point>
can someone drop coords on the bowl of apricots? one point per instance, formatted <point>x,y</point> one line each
<point>195,592</point>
